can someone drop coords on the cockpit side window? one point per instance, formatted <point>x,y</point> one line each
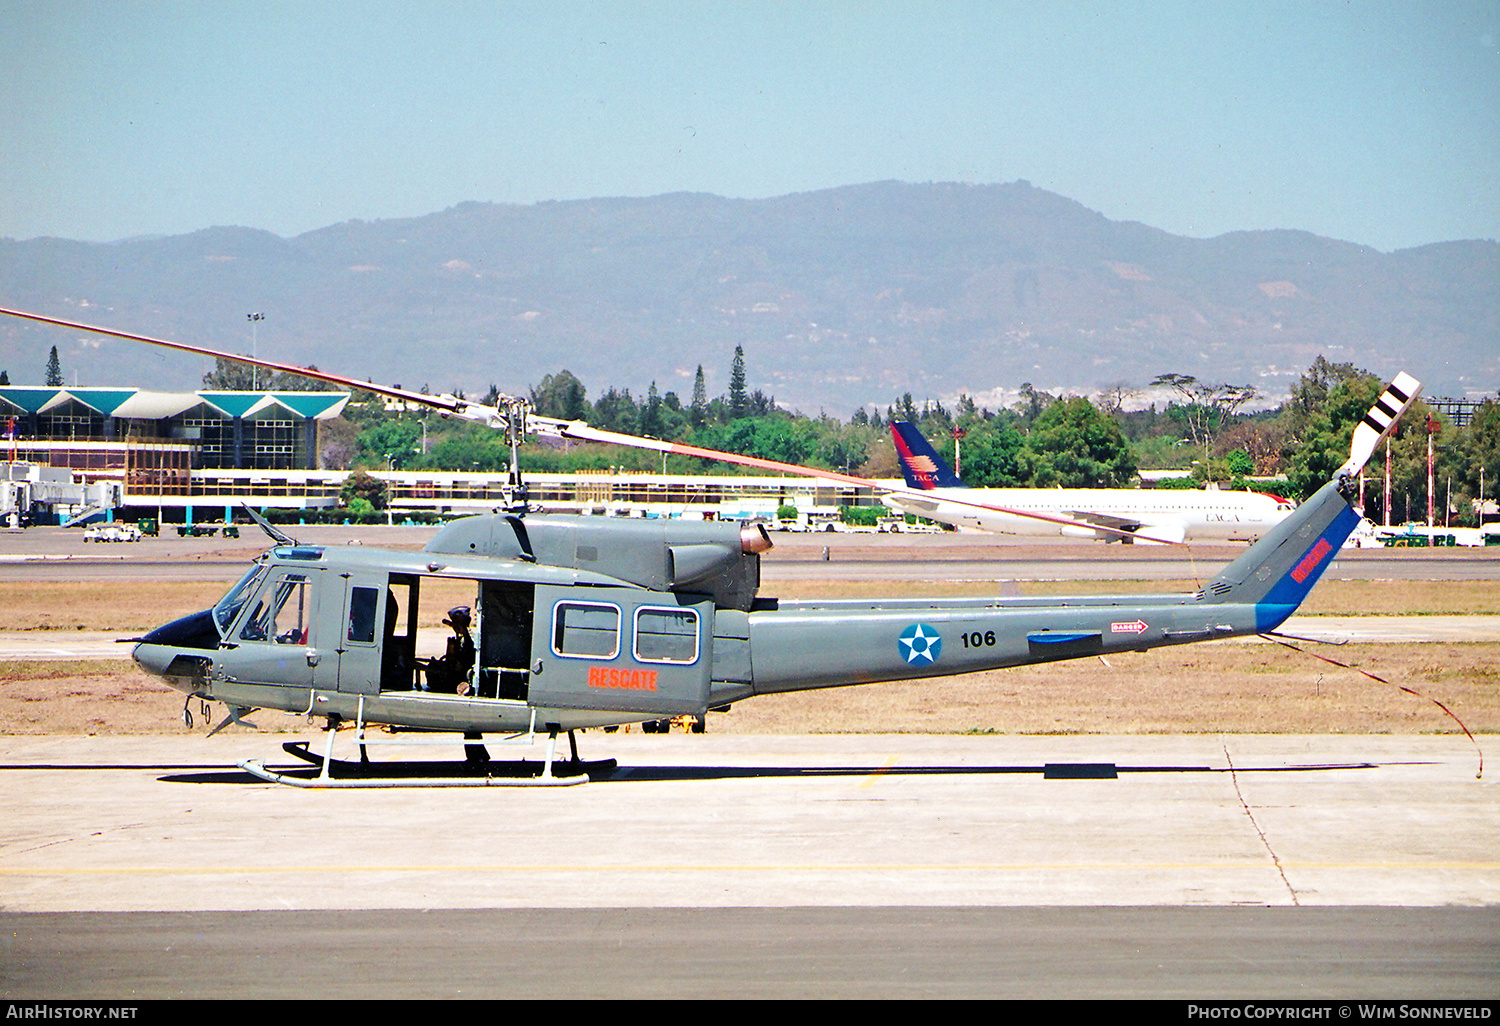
<point>281,612</point>
<point>234,600</point>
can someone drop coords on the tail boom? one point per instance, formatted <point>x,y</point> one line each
<point>803,645</point>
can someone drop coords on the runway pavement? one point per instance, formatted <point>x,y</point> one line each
<point>743,865</point>
<point>1273,962</point>
<point>153,823</point>
<point>889,865</point>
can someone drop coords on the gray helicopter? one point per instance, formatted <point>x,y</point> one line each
<point>570,622</point>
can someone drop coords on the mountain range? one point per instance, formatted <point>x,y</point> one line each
<point>840,297</point>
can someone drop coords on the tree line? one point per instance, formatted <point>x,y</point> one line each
<point>1040,441</point>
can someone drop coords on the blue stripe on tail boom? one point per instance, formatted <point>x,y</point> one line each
<point>1287,594</point>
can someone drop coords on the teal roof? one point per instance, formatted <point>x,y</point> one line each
<point>29,399</point>
<point>233,404</point>
<point>313,404</point>
<point>36,399</point>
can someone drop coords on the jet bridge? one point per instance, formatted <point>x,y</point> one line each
<point>34,494</point>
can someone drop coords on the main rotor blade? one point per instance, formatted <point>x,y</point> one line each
<point>445,403</point>
<point>578,431</point>
<point>574,430</point>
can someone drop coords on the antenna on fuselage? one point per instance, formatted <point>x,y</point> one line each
<point>280,537</point>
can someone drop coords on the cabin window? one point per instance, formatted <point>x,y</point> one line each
<point>666,635</point>
<point>586,630</point>
<point>362,605</point>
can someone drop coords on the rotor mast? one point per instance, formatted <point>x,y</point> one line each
<point>516,495</point>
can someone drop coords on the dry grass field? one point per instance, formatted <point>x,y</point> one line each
<point>1250,687</point>
<point>139,606</point>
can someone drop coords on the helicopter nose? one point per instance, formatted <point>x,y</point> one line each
<point>178,652</point>
<point>196,630</point>
<point>154,659</point>
<point>185,671</point>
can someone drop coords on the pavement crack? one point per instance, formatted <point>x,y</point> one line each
<point>38,847</point>
<point>1264,840</point>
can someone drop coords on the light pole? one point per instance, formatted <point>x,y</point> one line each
<point>1433,426</point>
<point>255,319</point>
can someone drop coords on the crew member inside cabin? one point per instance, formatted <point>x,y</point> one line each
<point>449,674</point>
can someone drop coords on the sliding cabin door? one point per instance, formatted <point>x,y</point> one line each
<point>621,650</point>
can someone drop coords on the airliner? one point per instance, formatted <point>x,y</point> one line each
<point>1148,515</point>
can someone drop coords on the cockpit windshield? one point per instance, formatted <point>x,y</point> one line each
<point>229,606</point>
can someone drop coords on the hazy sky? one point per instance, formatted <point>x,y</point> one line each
<point>1375,122</point>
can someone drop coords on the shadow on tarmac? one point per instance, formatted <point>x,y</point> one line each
<point>654,774</point>
<point>1050,771</point>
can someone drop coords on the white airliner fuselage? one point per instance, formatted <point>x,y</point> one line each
<point>1163,515</point>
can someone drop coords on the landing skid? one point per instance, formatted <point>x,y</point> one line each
<point>344,773</point>
<point>477,770</point>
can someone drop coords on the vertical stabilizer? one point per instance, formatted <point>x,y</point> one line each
<point>921,465</point>
<point>1277,572</point>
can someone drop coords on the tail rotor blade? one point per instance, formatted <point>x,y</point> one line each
<point>1380,421</point>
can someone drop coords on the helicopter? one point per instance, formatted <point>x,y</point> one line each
<point>574,622</point>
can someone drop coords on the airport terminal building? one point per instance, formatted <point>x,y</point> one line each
<point>195,457</point>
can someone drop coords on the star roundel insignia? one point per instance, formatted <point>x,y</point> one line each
<point>920,644</point>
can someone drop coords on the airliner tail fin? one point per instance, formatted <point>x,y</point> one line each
<point>923,468</point>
